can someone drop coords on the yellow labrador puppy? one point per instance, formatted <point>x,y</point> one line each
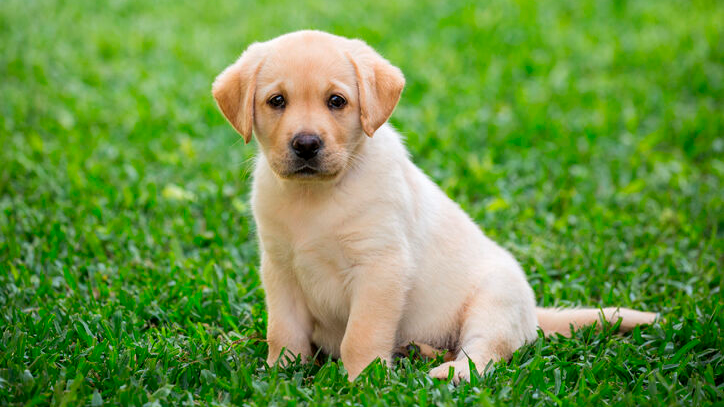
<point>360,251</point>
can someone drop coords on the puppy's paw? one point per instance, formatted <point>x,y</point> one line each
<point>461,371</point>
<point>286,358</point>
<point>282,361</point>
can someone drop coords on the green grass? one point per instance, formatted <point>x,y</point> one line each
<point>587,136</point>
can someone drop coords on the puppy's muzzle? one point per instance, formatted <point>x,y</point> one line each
<point>306,145</point>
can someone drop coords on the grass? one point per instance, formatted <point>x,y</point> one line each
<point>584,135</point>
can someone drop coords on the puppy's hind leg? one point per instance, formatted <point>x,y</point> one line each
<point>493,327</point>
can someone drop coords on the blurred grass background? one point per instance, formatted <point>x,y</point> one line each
<point>584,135</point>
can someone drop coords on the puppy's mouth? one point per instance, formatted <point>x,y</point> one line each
<point>317,169</point>
<point>306,170</point>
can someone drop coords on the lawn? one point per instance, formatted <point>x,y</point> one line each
<point>587,136</point>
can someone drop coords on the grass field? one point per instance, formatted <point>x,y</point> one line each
<point>587,136</point>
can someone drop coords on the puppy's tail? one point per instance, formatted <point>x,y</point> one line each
<point>556,320</point>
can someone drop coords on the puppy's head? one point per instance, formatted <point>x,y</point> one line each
<point>310,98</point>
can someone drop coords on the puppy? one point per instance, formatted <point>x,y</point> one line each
<point>361,253</point>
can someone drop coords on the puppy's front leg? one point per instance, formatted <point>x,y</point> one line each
<point>289,324</point>
<point>378,298</point>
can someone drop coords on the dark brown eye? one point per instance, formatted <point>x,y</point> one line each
<point>277,101</point>
<point>336,102</point>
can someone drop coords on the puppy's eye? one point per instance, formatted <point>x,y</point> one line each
<point>277,101</point>
<point>336,102</point>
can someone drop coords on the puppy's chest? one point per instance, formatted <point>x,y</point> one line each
<point>314,251</point>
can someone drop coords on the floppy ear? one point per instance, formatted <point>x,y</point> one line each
<point>234,90</point>
<point>380,85</point>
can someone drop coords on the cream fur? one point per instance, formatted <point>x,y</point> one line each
<point>370,254</point>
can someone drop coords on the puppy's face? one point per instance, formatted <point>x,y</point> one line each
<point>306,108</point>
<point>309,97</point>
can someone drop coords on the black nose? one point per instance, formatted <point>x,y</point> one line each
<point>306,145</point>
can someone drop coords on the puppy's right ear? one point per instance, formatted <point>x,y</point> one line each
<point>234,90</point>
<point>379,84</point>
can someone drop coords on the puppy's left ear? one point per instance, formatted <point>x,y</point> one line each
<point>380,85</point>
<point>234,90</point>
